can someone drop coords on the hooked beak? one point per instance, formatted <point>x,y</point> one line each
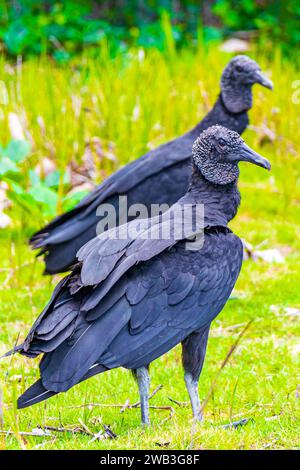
<point>246,154</point>
<point>260,78</point>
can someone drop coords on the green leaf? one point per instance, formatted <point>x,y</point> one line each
<point>22,199</point>
<point>211,33</point>
<point>43,194</point>
<point>61,56</point>
<point>7,166</point>
<point>16,37</point>
<point>17,150</point>
<point>16,188</point>
<point>34,177</point>
<point>52,180</point>
<point>93,36</point>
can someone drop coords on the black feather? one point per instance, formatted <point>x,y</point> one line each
<point>151,295</point>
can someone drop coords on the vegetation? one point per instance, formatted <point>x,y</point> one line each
<point>63,28</point>
<point>116,110</point>
<point>25,188</point>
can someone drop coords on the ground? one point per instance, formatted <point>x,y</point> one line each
<point>134,103</point>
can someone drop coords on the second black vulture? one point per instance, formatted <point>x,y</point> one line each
<point>158,177</point>
<point>130,300</point>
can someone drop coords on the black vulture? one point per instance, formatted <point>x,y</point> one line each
<point>160,176</point>
<point>131,299</point>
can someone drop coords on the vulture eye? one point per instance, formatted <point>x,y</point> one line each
<point>222,143</point>
<point>239,68</point>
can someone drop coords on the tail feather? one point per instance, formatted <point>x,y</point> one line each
<point>61,257</point>
<point>37,392</point>
<point>12,351</point>
<point>37,239</point>
<point>34,394</point>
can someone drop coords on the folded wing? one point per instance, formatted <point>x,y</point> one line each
<point>153,306</point>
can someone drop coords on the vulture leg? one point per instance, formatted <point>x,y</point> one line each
<point>193,354</point>
<point>143,380</point>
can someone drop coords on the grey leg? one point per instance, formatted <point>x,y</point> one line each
<point>193,355</point>
<point>143,380</point>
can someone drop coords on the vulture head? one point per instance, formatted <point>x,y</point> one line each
<point>217,152</point>
<point>237,80</point>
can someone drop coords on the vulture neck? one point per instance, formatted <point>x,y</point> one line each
<point>221,202</point>
<point>222,116</point>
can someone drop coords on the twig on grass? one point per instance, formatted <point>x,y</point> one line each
<point>109,432</point>
<point>138,403</point>
<point>83,429</point>
<point>72,430</point>
<point>106,434</point>
<point>123,406</point>
<point>179,403</point>
<point>46,431</point>
<point>169,408</point>
<point>38,432</point>
<point>95,405</point>
<point>86,429</point>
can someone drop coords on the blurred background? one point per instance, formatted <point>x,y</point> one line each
<point>62,29</point>
<point>74,75</point>
<point>86,87</point>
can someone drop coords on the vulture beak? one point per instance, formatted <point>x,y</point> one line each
<point>246,154</point>
<point>259,77</point>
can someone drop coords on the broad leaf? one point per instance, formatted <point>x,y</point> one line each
<point>17,150</point>
<point>7,166</point>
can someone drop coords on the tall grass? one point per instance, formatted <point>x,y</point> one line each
<point>137,101</point>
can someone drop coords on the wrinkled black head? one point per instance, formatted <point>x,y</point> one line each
<point>237,80</point>
<point>217,152</point>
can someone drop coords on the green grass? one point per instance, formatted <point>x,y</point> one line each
<point>134,103</point>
